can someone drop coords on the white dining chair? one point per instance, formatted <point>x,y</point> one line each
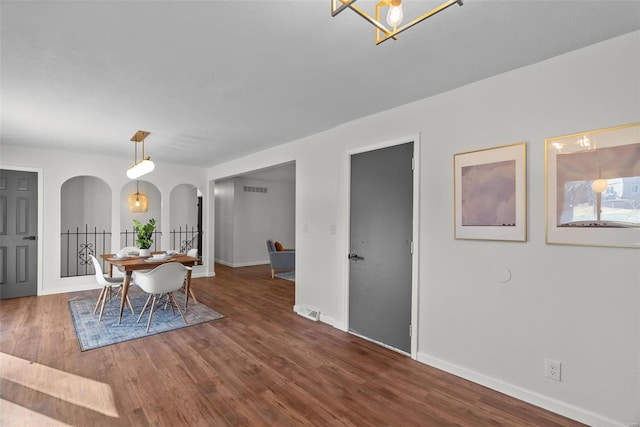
<point>107,283</point>
<point>193,252</point>
<point>127,250</point>
<point>160,283</point>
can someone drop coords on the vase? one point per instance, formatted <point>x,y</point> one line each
<point>145,252</point>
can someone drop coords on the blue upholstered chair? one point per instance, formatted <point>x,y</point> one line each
<point>280,260</point>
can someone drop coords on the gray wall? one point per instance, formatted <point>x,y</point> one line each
<point>246,219</point>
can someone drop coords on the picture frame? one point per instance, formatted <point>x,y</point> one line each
<point>490,197</point>
<point>592,186</point>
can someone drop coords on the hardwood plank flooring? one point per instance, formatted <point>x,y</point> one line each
<point>261,365</point>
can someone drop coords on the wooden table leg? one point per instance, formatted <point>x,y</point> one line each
<point>187,290</point>
<point>125,292</point>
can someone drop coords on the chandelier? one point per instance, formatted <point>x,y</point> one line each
<point>145,165</point>
<point>394,16</point>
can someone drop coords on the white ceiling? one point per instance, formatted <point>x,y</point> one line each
<point>217,80</point>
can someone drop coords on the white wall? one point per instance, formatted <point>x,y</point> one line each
<point>560,302</point>
<point>55,168</point>
<point>224,207</point>
<point>260,216</point>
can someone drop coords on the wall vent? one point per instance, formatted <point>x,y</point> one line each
<point>310,313</point>
<point>252,189</point>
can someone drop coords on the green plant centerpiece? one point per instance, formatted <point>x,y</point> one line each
<point>144,237</point>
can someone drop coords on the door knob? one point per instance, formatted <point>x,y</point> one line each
<point>29,238</point>
<point>355,257</point>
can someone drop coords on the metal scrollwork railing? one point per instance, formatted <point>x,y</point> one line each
<point>185,238</point>
<point>77,246</point>
<point>86,249</point>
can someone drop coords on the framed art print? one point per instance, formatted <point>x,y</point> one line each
<point>593,187</point>
<point>490,193</point>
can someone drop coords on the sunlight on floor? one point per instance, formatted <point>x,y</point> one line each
<point>16,415</point>
<point>71,388</point>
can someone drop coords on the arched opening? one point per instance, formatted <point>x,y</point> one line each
<point>152,193</point>
<point>85,224</point>
<point>186,219</point>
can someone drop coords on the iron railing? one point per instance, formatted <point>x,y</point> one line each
<point>77,246</point>
<point>185,239</point>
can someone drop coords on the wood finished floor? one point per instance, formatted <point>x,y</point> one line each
<point>261,365</point>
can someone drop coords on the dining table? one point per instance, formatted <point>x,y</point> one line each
<point>130,263</point>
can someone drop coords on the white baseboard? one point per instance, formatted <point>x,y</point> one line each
<point>553,405</point>
<point>241,264</point>
<point>202,274</point>
<point>68,289</point>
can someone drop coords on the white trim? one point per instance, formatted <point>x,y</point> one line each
<point>415,259</point>
<point>201,274</point>
<point>553,405</point>
<point>415,270</point>
<point>40,246</point>
<point>241,264</point>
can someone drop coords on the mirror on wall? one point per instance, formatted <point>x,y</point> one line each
<point>85,224</point>
<point>186,219</point>
<point>151,193</point>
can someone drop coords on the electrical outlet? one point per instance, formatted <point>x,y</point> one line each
<point>553,369</point>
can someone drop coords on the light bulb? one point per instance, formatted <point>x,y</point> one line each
<point>394,15</point>
<point>137,203</point>
<point>599,185</point>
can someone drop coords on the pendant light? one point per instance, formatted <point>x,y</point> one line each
<point>138,202</point>
<point>145,165</point>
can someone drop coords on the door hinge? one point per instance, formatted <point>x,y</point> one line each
<point>413,163</point>
<point>410,330</point>
<point>412,247</point>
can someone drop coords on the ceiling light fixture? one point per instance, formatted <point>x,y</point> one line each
<point>394,16</point>
<point>145,165</point>
<point>138,202</point>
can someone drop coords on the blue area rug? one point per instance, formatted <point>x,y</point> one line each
<point>287,275</point>
<point>93,334</point>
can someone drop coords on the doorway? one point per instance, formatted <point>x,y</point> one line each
<point>251,208</point>
<point>18,233</point>
<point>381,246</point>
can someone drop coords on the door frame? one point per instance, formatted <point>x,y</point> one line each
<point>415,270</point>
<point>39,247</point>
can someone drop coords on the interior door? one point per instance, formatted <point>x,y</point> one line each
<point>18,233</point>
<point>381,232</point>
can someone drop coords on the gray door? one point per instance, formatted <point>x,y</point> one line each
<point>18,233</point>
<point>381,227</point>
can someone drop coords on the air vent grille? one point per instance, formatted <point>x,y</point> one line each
<point>252,189</point>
